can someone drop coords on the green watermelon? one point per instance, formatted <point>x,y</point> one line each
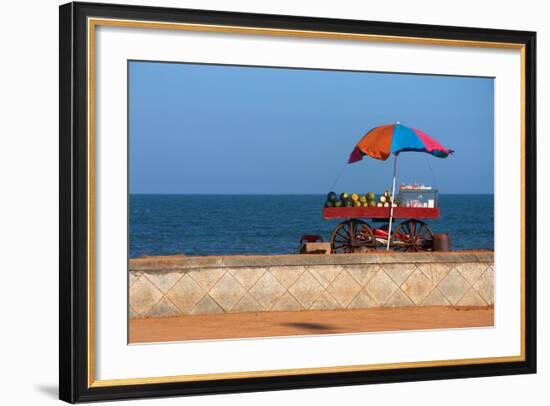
<point>331,197</point>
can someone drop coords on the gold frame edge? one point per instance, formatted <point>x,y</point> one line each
<point>91,25</point>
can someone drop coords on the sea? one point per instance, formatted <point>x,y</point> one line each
<point>197,225</point>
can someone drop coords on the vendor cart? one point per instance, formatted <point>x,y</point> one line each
<point>357,235</point>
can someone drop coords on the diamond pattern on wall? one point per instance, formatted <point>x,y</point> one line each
<point>133,276</point>
<point>247,304</point>
<point>417,287</point>
<point>325,274</point>
<point>399,299</point>
<point>325,302</point>
<point>164,308</point>
<point>399,272</point>
<point>344,288</point>
<point>485,285</point>
<point>381,287</point>
<point>159,293</point>
<point>362,273</point>
<point>362,301</point>
<point>435,298</point>
<point>435,272</point>
<point>143,296</point>
<point>227,292</point>
<point>453,286</point>
<point>185,293</point>
<point>247,276</point>
<point>267,290</point>
<point>163,280</point>
<point>471,298</point>
<point>306,289</point>
<point>287,275</point>
<point>470,271</point>
<point>287,303</point>
<point>207,306</point>
<point>207,277</point>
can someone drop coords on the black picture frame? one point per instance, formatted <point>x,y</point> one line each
<point>73,285</point>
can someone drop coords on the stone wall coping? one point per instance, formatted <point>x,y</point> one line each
<point>180,262</point>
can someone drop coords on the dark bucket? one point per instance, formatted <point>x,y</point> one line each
<point>442,242</point>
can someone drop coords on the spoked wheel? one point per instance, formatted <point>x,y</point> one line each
<point>352,236</point>
<point>412,236</point>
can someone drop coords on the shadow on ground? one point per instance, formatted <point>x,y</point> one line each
<point>311,326</point>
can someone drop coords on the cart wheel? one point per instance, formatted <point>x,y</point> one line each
<point>412,236</point>
<point>352,236</point>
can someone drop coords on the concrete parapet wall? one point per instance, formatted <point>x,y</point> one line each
<point>179,285</point>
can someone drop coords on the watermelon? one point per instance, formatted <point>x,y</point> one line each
<point>331,197</point>
<point>348,203</point>
<point>338,203</point>
<point>329,203</point>
<point>371,196</point>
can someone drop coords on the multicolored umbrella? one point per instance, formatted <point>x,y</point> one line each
<point>381,142</point>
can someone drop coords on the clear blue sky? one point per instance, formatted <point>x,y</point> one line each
<point>229,129</point>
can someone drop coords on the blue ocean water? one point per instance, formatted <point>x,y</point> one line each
<point>272,224</point>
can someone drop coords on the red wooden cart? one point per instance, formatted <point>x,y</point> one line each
<point>356,235</point>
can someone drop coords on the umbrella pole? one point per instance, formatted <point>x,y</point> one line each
<point>392,199</point>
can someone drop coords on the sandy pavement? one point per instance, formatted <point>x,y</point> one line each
<point>272,324</point>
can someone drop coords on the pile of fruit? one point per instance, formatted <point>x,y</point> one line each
<point>356,200</point>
